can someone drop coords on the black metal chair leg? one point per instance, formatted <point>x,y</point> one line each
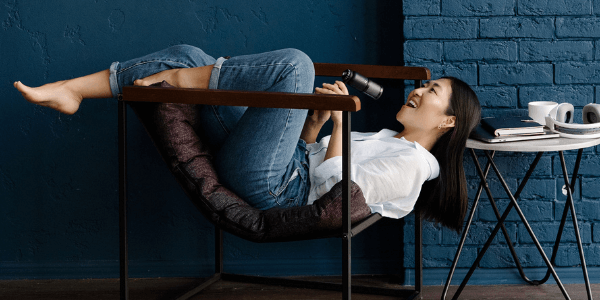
<point>346,209</point>
<point>124,273</point>
<point>218,250</point>
<point>418,255</point>
<point>418,241</point>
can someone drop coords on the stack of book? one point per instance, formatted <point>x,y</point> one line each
<point>510,129</point>
<point>500,126</point>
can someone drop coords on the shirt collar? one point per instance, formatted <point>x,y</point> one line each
<point>383,133</point>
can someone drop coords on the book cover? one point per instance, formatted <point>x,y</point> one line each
<point>512,125</point>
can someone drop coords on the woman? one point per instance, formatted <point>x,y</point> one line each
<point>270,157</point>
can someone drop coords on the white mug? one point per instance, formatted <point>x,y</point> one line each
<point>538,110</point>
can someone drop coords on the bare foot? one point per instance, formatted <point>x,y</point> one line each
<point>182,78</point>
<point>56,95</point>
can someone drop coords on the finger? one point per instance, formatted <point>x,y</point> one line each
<point>342,87</point>
<point>324,91</point>
<point>333,87</point>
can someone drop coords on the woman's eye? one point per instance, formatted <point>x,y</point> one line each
<point>432,90</point>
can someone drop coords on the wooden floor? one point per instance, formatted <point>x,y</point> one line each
<point>170,288</point>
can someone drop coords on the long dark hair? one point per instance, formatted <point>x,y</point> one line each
<point>444,200</point>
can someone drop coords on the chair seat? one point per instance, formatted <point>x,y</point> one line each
<point>174,129</point>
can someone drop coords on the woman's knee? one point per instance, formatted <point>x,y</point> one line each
<point>296,57</point>
<point>303,67</point>
<point>301,61</point>
<point>183,49</point>
<point>190,55</point>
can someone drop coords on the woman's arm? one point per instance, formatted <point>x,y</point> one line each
<point>335,143</point>
<point>313,124</point>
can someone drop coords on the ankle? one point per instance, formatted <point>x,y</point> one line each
<point>72,87</point>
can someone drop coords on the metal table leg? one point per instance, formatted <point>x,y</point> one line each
<point>504,231</point>
<point>512,204</point>
<point>483,185</point>
<point>563,219</point>
<point>571,205</point>
<point>463,238</point>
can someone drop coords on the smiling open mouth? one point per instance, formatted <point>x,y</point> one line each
<point>411,103</point>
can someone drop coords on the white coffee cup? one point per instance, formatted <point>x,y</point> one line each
<point>539,109</point>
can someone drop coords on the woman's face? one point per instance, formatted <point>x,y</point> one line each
<point>425,107</point>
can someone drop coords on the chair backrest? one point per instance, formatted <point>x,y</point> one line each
<point>373,71</point>
<point>174,129</point>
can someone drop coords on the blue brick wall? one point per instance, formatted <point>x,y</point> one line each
<point>513,52</point>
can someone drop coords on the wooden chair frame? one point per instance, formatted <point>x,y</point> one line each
<point>346,104</point>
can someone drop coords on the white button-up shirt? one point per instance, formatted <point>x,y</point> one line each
<point>390,171</point>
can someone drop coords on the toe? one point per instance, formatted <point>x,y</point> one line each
<point>21,87</point>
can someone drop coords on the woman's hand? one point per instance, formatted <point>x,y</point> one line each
<point>339,88</point>
<point>320,117</point>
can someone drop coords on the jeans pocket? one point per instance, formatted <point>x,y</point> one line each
<point>289,193</point>
<point>285,184</point>
<point>294,185</point>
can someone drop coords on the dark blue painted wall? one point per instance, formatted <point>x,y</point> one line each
<point>513,52</point>
<point>58,173</point>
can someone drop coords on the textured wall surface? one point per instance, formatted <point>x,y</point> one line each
<point>513,52</point>
<point>58,173</point>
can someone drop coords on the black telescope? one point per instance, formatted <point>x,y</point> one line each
<point>362,84</point>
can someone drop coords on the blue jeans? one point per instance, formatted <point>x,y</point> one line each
<point>259,153</point>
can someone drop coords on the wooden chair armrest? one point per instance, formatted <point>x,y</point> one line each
<point>241,98</point>
<point>277,100</point>
<point>374,71</point>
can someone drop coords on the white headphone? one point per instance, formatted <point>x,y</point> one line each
<point>560,120</point>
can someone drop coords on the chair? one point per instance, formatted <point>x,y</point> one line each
<point>168,114</point>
